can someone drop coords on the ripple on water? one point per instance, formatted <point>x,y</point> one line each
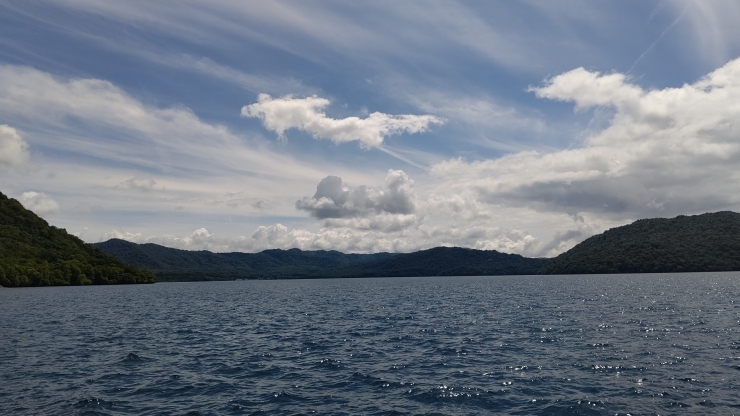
<point>555,345</point>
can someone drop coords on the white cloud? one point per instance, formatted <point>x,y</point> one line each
<point>381,222</point>
<point>485,238</point>
<point>13,149</point>
<point>365,219</point>
<point>105,146</point>
<point>588,89</point>
<point>39,203</point>
<point>369,241</point>
<point>664,152</point>
<point>669,151</point>
<point>389,209</point>
<point>392,218</point>
<point>112,126</point>
<point>281,114</point>
<point>343,239</point>
<point>264,237</point>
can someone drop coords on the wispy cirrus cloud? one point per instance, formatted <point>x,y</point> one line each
<point>96,144</point>
<point>713,26</point>
<point>111,125</point>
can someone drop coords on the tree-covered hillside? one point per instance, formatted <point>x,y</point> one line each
<point>449,261</point>
<point>33,253</point>
<point>707,242</point>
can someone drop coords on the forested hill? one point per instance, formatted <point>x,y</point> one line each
<point>33,253</point>
<point>451,261</point>
<point>178,265</point>
<point>707,242</point>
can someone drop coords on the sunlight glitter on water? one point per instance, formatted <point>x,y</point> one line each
<point>637,344</point>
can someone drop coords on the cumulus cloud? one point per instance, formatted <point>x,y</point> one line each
<point>93,119</point>
<point>383,222</point>
<point>391,218</point>
<point>270,237</point>
<point>588,89</point>
<point>664,152</point>
<point>39,203</point>
<point>343,239</point>
<point>307,114</point>
<point>370,241</point>
<point>390,208</point>
<point>363,220</point>
<point>13,149</point>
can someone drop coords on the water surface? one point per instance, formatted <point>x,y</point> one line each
<point>562,345</point>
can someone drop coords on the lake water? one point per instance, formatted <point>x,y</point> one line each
<point>541,345</point>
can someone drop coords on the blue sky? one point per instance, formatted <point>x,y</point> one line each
<point>367,126</point>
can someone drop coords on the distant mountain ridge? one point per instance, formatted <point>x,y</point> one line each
<point>706,242</point>
<point>181,265</point>
<point>33,253</point>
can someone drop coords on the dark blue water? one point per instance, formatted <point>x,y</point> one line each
<point>564,345</point>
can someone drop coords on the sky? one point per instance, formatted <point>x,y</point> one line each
<point>523,127</point>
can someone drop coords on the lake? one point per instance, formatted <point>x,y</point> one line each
<point>529,345</point>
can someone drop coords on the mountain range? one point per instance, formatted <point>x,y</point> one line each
<point>707,242</point>
<point>34,253</point>
<point>179,265</point>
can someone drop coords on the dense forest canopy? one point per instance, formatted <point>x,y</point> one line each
<point>33,253</point>
<point>698,243</point>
